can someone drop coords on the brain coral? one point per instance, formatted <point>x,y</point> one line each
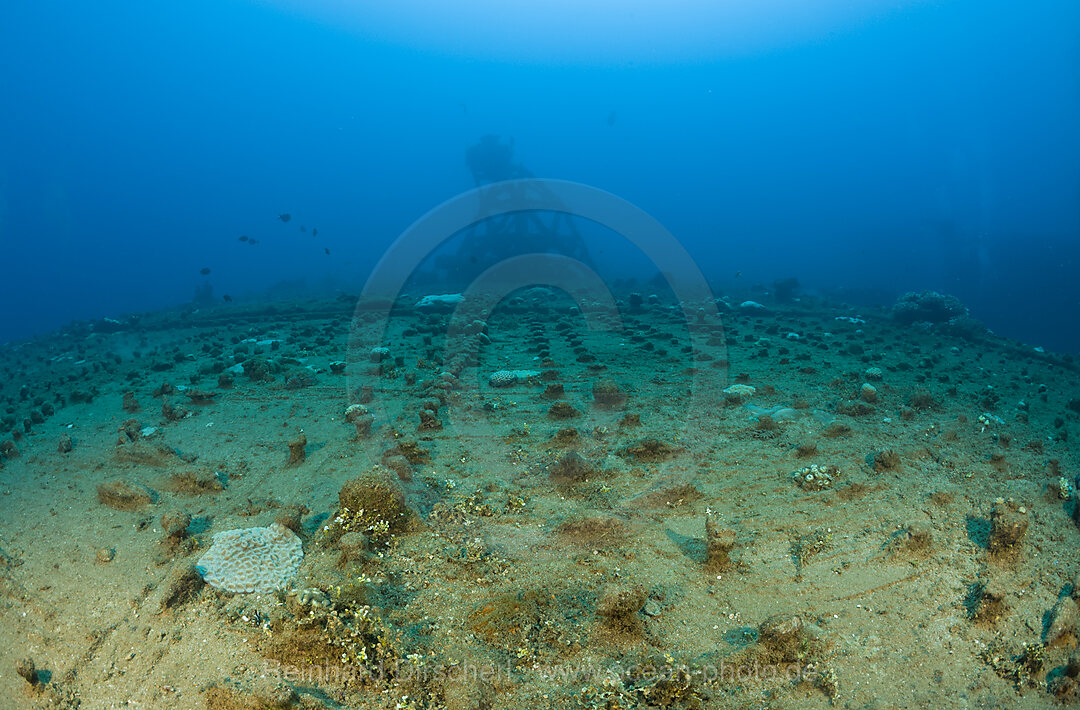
<point>252,559</point>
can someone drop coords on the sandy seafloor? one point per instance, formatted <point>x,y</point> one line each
<point>518,575</point>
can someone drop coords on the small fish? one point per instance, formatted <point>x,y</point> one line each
<point>285,217</point>
<point>314,232</point>
<point>243,237</point>
<point>228,298</point>
<point>738,274</point>
<point>611,119</point>
<point>253,241</point>
<point>327,251</point>
<point>205,271</point>
<point>303,228</point>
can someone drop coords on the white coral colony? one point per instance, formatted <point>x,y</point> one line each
<point>246,560</point>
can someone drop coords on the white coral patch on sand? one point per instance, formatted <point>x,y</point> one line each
<point>737,393</point>
<point>505,378</point>
<point>246,560</point>
<point>442,300</point>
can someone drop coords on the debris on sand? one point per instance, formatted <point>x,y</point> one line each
<point>122,495</point>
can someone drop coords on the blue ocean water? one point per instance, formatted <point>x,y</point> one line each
<point>865,149</point>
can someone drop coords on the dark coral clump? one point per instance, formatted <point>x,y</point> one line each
<point>619,606</point>
<point>122,495</point>
<point>944,313</point>
<point>1065,686</point>
<point>927,307</point>
<point>572,468</point>
<point>719,543</point>
<point>607,394</point>
<point>562,410</point>
<point>297,450</point>
<point>886,460</point>
<point>373,504</point>
<point>650,451</point>
<point>1008,525</point>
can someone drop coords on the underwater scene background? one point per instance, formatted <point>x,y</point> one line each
<point>540,355</point>
<point>861,148</point>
